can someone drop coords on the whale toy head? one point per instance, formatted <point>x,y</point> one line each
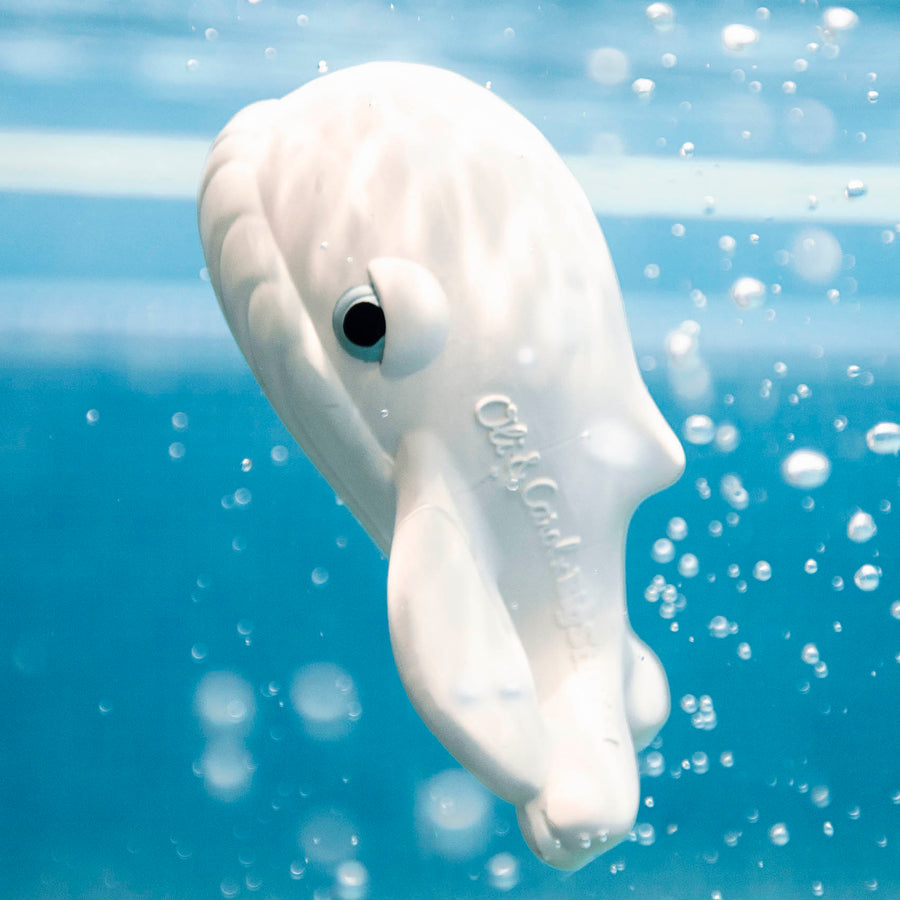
<point>425,295</point>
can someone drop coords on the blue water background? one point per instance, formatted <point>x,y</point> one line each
<point>130,572</point>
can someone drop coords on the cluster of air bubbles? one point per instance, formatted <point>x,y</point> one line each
<point>453,814</point>
<point>239,499</point>
<point>503,871</point>
<point>737,37</point>
<point>884,439</point>
<point>324,696</point>
<point>861,527</point>
<point>226,708</point>
<point>701,711</point>
<point>748,293</point>
<point>733,491</point>
<point>806,469</point>
<point>810,655</point>
<point>720,627</point>
<point>670,600</point>
<point>867,577</point>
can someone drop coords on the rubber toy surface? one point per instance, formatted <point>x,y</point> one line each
<point>425,295</point>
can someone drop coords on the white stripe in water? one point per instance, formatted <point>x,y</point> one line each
<point>113,164</point>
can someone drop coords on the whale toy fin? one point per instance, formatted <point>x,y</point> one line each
<point>456,647</point>
<point>647,703</point>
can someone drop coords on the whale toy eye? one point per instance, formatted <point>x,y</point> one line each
<point>359,324</point>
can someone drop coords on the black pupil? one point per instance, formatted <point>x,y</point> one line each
<point>364,324</point>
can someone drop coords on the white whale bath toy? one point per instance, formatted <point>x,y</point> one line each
<point>424,293</point>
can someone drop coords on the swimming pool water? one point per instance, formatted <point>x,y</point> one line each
<point>199,696</point>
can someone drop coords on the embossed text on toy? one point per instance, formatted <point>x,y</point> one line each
<point>575,608</point>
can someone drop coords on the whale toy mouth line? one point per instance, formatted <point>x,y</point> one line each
<point>393,352</point>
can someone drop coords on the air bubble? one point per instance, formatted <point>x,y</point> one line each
<point>736,37</point>
<point>699,430</point>
<point>503,871</point>
<point>810,654</point>
<point>839,18</point>
<point>352,880</point>
<point>733,492</point>
<point>855,188</point>
<point>748,293</point>
<point>663,551</point>
<point>810,567</point>
<point>867,577</point>
<point>677,528</point>
<point>643,87</point>
<point>324,696</point>
<point>176,450</point>
<point>778,834</point>
<point>688,565</point>
<point>744,651</point>
<point>806,469</point>
<point>319,576</point>
<point>861,527</point>
<point>816,255</point>
<point>687,150</point>
<point>661,16</point>
<point>322,67</point>
<point>608,66</point>
<point>884,439</point>
<point>654,764</point>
